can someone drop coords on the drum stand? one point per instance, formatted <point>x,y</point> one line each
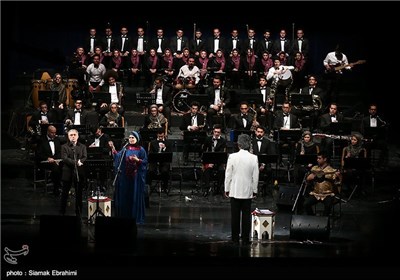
<point>98,211</point>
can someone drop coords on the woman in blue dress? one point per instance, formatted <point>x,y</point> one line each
<point>130,184</point>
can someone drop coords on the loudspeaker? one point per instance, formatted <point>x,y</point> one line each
<point>115,232</point>
<point>60,231</point>
<point>286,197</point>
<point>309,227</point>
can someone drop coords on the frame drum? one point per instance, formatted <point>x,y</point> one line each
<point>180,101</point>
<point>38,85</point>
<point>71,84</point>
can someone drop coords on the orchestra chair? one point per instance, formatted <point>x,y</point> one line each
<point>41,176</point>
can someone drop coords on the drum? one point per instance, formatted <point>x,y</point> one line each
<point>178,83</point>
<point>71,84</point>
<point>38,85</point>
<point>286,75</point>
<point>181,102</point>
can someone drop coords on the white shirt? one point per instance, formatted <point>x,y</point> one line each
<point>185,72</point>
<point>114,95</point>
<point>77,120</point>
<point>159,99</point>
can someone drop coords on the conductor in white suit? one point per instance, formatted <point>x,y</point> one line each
<point>241,181</point>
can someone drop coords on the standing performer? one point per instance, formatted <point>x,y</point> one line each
<point>73,155</point>
<point>241,181</point>
<point>130,165</point>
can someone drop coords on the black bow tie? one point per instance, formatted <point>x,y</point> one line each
<point>285,114</point>
<point>244,116</point>
<point>333,116</point>
<point>123,36</point>
<point>140,36</point>
<point>216,38</point>
<point>251,38</point>
<point>77,111</point>
<point>51,140</point>
<point>234,38</point>
<point>373,117</point>
<point>259,140</point>
<point>43,114</point>
<point>92,37</point>
<point>108,37</point>
<point>215,139</point>
<point>263,87</point>
<point>159,37</point>
<point>300,39</point>
<point>193,115</point>
<point>283,39</point>
<point>179,38</point>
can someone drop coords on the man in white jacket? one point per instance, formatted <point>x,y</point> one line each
<point>241,181</point>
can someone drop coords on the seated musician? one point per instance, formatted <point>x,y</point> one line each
<point>325,182</point>
<point>285,120</point>
<point>99,139</point>
<point>219,98</point>
<point>155,119</point>
<point>163,98</point>
<point>325,120</point>
<point>264,110</point>
<point>39,117</point>
<point>214,143</point>
<point>355,149</point>
<point>192,121</point>
<point>189,73</point>
<point>244,120</point>
<point>116,91</point>
<point>159,145</point>
<point>60,105</point>
<point>261,145</point>
<point>306,146</point>
<point>47,153</point>
<point>112,118</point>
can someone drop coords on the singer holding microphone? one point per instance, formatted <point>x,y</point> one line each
<point>130,165</point>
<point>73,155</point>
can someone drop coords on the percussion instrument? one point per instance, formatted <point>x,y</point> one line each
<point>71,84</point>
<point>38,85</point>
<point>180,101</point>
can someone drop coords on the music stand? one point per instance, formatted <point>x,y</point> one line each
<point>82,129</point>
<point>194,140</point>
<point>114,132</point>
<point>48,96</point>
<point>252,98</point>
<point>145,98</point>
<point>203,99</point>
<point>215,157</point>
<point>301,100</point>
<point>237,132</point>
<point>94,153</point>
<point>264,158</point>
<point>359,164</point>
<point>306,159</point>
<point>160,157</point>
<point>340,128</point>
<point>101,97</point>
<point>289,134</point>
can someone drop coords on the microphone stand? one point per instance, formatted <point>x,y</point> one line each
<point>119,164</point>
<point>77,180</point>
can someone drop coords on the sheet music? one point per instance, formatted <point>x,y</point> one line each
<point>262,212</point>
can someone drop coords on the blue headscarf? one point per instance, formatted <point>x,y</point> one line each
<point>136,135</point>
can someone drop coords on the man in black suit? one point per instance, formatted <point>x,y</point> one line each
<point>195,122</point>
<point>285,120</point>
<point>325,121</point>
<point>244,120</point>
<point>314,89</point>
<point>215,43</point>
<point>99,139</point>
<point>41,117</point>
<point>48,154</point>
<point>77,116</point>
<point>163,98</point>
<point>74,155</point>
<point>159,43</point>
<point>261,145</point>
<point>214,143</point>
<point>178,42</point>
<point>219,99</point>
